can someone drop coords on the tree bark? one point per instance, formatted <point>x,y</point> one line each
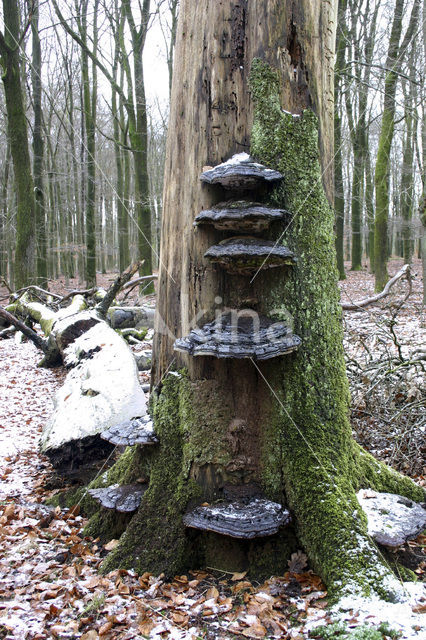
<point>89,106</point>
<point>339,195</point>
<point>422,206</point>
<point>235,427</point>
<point>38,148</point>
<point>18,135</point>
<point>407,168</point>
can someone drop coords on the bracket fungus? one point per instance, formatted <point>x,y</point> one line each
<point>245,518</point>
<point>131,432</point>
<point>392,519</point>
<point>240,334</point>
<point>240,215</point>
<point>124,498</point>
<point>246,254</point>
<point>240,173</point>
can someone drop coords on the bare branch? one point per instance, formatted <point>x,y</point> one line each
<point>355,306</point>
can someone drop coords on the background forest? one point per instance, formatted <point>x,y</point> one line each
<point>95,82</point>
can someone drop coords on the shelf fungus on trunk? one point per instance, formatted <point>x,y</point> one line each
<point>253,517</point>
<point>240,173</point>
<point>240,215</point>
<point>122,498</point>
<point>131,432</point>
<point>244,255</point>
<point>240,334</point>
<point>392,519</point>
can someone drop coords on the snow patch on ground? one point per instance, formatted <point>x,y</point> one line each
<point>399,615</point>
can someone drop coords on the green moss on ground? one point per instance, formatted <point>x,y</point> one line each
<point>340,631</point>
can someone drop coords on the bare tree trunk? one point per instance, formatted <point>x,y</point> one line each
<point>339,196</point>
<point>396,51</point>
<point>18,135</point>
<point>38,148</point>
<point>423,198</point>
<point>407,168</point>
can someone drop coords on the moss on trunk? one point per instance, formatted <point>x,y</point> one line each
<point>321,464</point>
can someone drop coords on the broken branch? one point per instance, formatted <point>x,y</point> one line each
<point>118,284</point>
<point>29,333</point>
<point>354,306</point>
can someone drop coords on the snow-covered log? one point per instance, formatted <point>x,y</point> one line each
<point>100,391</point>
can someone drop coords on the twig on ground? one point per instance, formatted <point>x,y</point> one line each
<point>354,306</point>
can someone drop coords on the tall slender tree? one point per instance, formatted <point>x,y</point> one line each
<point>362,35</point>
<point>134,102</point>
<point>339,196</point>
<point>38,145</point>
<point>396,51</point>
<point>10,47</point>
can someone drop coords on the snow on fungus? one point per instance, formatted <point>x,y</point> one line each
<point>241,173</point>
<point>247,518</point>
<point>240,334</point>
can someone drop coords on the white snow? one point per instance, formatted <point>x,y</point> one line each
<point>391,518</point>
<point>242,158</point>
<point>237,158</point>
<point>399,615</point>
<point>99,392</point>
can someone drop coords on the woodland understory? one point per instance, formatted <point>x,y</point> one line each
<point>49,583</point>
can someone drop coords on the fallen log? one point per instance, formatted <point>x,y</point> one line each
<point>27,331</point>
<point>354,306</point>
<point>101,389</point>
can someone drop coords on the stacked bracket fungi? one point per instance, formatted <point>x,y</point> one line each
<point>241,333</point>
<point>126,498</point>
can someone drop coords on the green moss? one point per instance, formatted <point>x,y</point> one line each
<point>371,473</point>
<point>132,466</point>
<point>308,445</point>
<point>340,631</point>
<point>107,524</point>
<point>156,538</point>
<point>139,334</point>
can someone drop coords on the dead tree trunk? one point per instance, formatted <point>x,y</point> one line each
<point>252,413</point>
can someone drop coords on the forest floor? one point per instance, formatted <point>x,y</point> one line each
<point>49,581</point>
